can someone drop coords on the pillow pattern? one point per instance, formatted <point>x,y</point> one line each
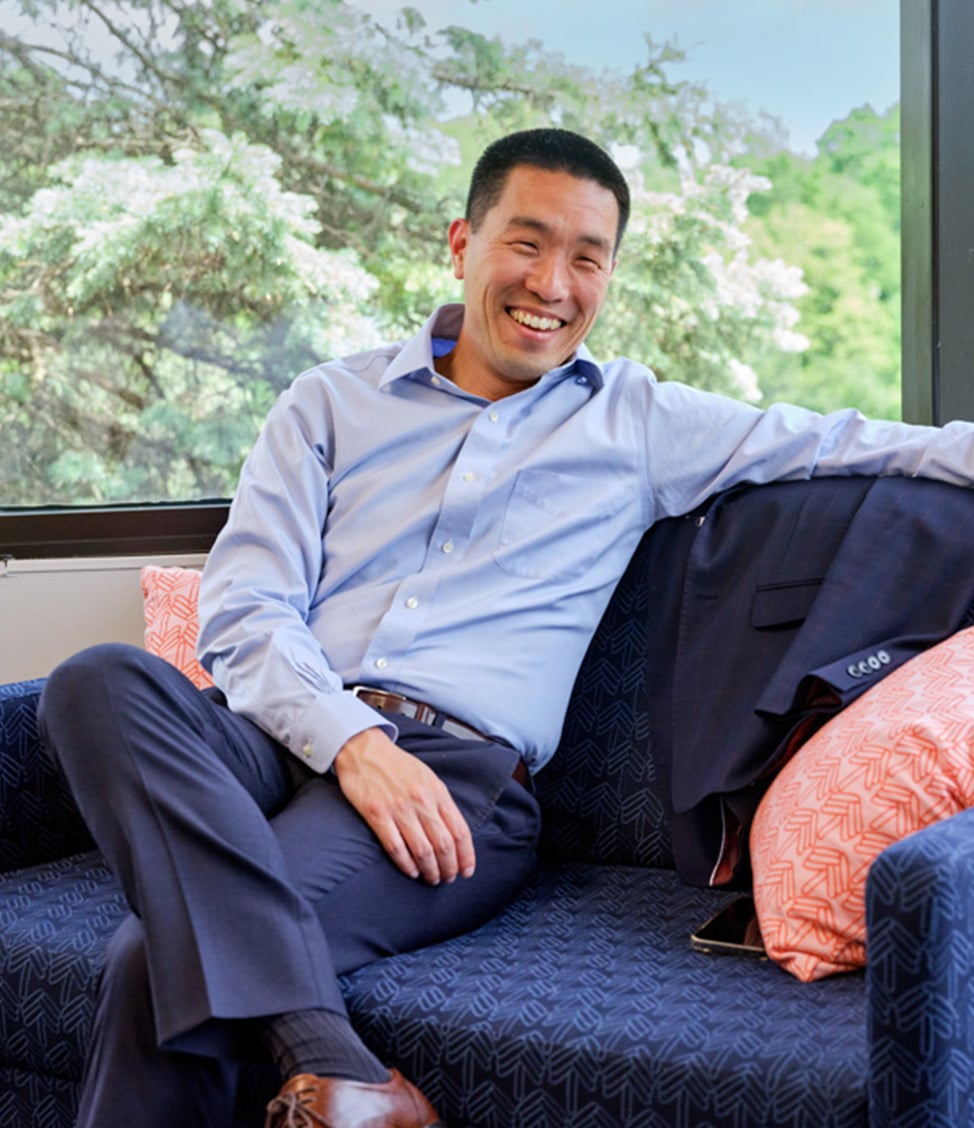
<point>897,759</point>
<point>170,596</point>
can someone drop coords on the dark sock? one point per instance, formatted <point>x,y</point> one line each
<point>323,1043</point>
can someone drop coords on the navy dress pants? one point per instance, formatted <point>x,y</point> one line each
<point>253,883</point>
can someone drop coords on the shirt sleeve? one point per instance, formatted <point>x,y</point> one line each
<point>259,581</point>
<point>699,443</point>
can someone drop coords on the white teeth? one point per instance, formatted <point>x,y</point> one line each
<point>533,322</point>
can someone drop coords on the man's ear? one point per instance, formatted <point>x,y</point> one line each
<point>458,237</point>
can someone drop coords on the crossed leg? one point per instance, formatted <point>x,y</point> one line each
<point>251,888</point>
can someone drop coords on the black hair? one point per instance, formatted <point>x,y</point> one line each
<point>554,150</point>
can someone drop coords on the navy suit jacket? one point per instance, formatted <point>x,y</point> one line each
<point>774,607</point>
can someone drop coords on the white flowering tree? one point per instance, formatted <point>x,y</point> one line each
<point>198,201</point>
<point>690,298</point>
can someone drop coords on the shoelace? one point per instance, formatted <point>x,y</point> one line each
<point>298,1115</point>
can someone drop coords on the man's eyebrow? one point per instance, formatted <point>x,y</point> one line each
<point>536,224</point>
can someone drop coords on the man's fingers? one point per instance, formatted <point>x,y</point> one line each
<point>408,808</point>
<point>422,848</point>
<point>395,846</point>
<point>439,840</point>
<point>466,858</point>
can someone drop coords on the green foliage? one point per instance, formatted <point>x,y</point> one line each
<point>837,217</point>
<point>688,298</point>
<point>198,201</point>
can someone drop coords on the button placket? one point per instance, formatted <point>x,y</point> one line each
<point>462,500</point>
<point>465,491</point>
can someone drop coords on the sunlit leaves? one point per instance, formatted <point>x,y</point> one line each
<point>198,201</point>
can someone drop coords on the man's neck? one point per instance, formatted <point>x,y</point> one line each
<point>471,376</point>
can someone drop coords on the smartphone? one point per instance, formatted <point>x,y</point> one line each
<point>733,931</point>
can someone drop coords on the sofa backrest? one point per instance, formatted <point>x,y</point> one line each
<point>731,633</point>
<point>601,793</point>
<point>38,819</point>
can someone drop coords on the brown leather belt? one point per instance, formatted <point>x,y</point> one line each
<point>429,715</point>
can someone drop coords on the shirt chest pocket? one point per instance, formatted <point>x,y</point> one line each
<point>556,526</point>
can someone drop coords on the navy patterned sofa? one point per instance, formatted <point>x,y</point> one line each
<point>582,1004</point>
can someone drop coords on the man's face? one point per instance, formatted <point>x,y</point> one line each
<point>535,274</point>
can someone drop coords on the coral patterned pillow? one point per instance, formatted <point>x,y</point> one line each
<point>897,759</point>
<point>170,597</point>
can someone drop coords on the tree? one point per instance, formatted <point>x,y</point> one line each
<point>208,198</point>
<point>837,217</point>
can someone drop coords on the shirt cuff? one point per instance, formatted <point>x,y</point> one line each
<point>330,721</point>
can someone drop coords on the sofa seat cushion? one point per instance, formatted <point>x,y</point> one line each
<point>583,1004</point>
<point>55,922</point>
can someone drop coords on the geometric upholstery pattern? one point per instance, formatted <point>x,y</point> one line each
<point>581,1005</point>
<point>895,760</point>
<point>55,920</point>
<point>38,818</point>
<point>36,1100</point>
<point>55,923</point>
<point>170,603</point>
<point>51,954</point>
<point>608,1020</point>
<point>600,793</point>
<point>584,1005</point>
<point>920,925</point>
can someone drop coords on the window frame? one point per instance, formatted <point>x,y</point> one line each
<point>111,530</point>
<point>937,162</point>
<point>937,268</point>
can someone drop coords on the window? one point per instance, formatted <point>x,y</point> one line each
<point>198,201</point>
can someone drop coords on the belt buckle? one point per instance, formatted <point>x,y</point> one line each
<point>358,690</point>
<point>391,702</point>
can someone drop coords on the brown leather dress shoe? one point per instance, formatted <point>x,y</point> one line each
<point>307,1101</point>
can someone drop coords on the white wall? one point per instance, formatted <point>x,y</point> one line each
<point>49,609</point>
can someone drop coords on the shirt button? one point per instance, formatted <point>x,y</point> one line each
<point>436,381</point>
<point>493,417</point>
<point>381,663</point>
<point>412,602</point>
<point>468,477</point>
<point>307,749</point>
<point>448,547</point>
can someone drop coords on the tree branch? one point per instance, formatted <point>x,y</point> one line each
<point>117,33</point>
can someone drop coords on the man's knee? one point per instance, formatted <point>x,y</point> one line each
<point>88,690</point>
<point>85,677</point>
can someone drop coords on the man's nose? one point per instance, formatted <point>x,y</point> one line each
<point>548,278</point>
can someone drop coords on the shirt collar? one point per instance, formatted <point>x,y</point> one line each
<point>417,353</point>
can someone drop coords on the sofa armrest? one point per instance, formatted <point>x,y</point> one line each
<point>920,977</point>
<point>38,818</point>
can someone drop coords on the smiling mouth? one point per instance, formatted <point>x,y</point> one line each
<point>535,321</point>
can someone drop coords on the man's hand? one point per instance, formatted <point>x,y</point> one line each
<point>407,806</point>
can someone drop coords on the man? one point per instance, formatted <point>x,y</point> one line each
<point>422,543</point>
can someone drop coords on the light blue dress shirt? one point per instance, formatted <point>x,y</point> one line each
<point>392,530</point>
